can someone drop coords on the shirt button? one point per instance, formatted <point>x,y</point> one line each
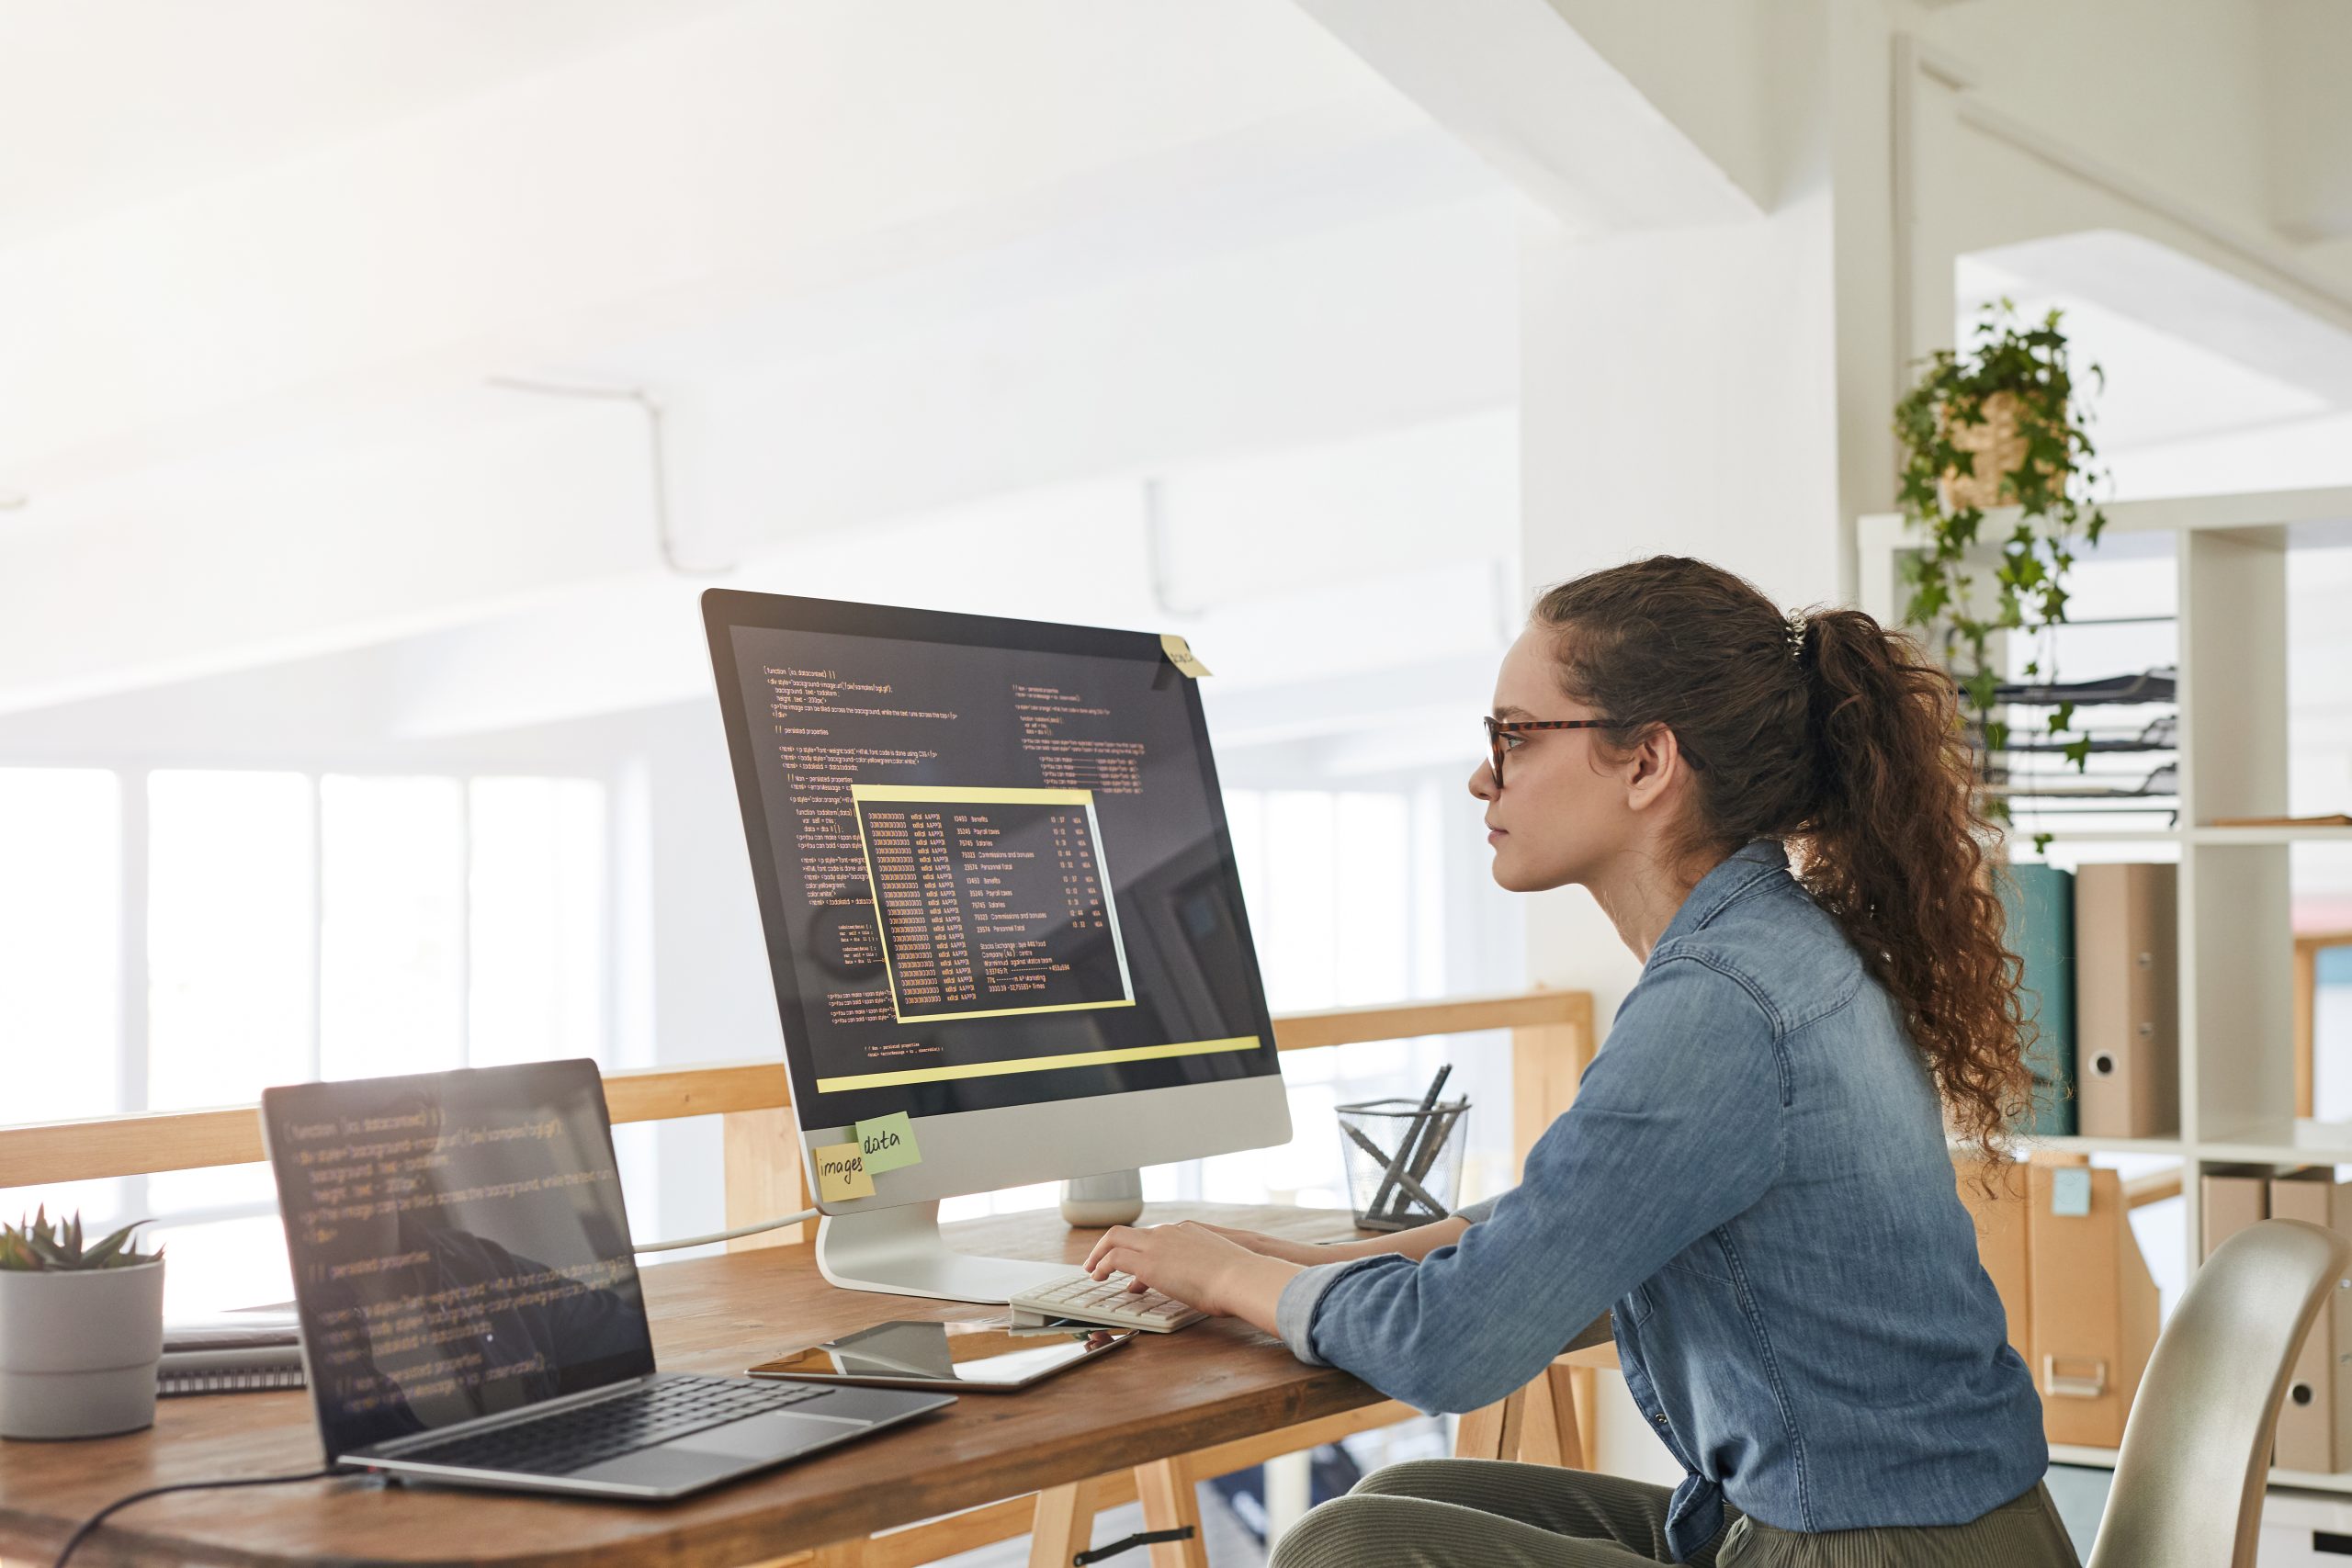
<point>1659,1417</point>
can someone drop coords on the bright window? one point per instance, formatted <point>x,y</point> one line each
<point>60,943</point>
<point>293,926</point>
<point>391,925</point>
<point>536,894</point>
<point>232,936</point>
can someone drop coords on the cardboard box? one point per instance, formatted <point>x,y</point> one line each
<point>2127,1000</point>
<point>2091,1313</point>
<point>2315,1419</point>
<point>2234,1198</point>
<point>2000,1235</point>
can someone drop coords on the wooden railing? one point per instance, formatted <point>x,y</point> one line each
<point>1550,1420</point>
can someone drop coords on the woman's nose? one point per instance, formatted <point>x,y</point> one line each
<point>1482,782</point>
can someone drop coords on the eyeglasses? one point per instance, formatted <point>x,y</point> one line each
<point>1501,730</point>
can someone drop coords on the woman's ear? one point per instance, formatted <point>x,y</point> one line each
<point>1655,769</point>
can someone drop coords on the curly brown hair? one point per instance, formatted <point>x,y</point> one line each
<point>1839,739</point>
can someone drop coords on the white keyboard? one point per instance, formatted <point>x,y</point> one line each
<point>1107,1302</point>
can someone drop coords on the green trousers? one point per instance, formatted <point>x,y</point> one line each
<point>1476,1513</point>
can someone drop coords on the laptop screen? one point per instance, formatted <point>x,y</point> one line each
<point>459,1244</point>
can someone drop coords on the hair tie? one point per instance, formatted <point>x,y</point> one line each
<point>1795,627</point>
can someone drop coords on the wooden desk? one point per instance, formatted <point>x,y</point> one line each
<point>1217,1382</point>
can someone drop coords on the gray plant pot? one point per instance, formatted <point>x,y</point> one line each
<point>78,1350</point>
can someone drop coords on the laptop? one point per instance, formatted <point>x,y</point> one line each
<point>469,1307</point>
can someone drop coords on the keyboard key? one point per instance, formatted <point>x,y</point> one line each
<point>1113,1301</point>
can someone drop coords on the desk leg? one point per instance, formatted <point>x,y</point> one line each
<point>1553,1433</point>
<point>1492,1431</point>
<point>1166,1487</point>
<point>1290,1492</point>
<point>1064,1525</point>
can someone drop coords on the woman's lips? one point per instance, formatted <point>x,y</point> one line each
<point>1495,834</point>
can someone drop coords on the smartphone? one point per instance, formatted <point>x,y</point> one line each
<point>982,1355</point>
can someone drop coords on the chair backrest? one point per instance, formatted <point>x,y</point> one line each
<point>2195,1452</point>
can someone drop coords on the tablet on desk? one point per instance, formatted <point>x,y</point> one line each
<point>979,1354</point>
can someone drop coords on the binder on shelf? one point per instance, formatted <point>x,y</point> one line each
<point>2315,1418</point>
<point>2236,1196</point>
<point>2127,1000</point>
<point>2091,1317</point>
<point>2038,901</point>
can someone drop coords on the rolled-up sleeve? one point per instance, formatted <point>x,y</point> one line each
<point>1677,1127</point>
<point>1294,1311</point>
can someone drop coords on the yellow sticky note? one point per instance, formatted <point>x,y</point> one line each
<point>1179,654</point>
<point>841,1173</point>
<point>888,1143</point>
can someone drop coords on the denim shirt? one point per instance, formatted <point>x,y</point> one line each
<point>1754,1178</point>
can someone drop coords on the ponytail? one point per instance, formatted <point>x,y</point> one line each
<point>1841,738</point>
<point>1892,848</point>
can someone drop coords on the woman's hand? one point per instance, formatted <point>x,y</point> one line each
<point>1195,1264</point>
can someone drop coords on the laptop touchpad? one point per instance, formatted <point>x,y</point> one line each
<point>764,1437</point>
<point>665,1468</point>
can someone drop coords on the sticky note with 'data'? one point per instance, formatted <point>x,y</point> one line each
<point>1179,653</point>
<point>888,1143</point>
<point>841,1173</point>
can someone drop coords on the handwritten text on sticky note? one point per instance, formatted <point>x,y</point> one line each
<point>1179,653</point>
<point>841,1173</point>
<point>888,1143</point>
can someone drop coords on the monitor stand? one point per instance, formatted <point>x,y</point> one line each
<point>899,1252</point>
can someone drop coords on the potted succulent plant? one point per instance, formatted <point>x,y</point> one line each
<point>81,1331</point>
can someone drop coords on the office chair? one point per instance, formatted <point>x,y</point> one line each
<point>2189,1481</point>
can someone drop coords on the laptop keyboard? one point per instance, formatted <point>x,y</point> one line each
<point>566,1440</point>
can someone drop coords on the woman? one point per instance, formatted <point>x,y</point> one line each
<point>1755,1179</point>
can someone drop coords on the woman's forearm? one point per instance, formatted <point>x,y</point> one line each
<point>1414,1243</point>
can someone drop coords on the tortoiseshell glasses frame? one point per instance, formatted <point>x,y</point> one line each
<point>1501,730</point>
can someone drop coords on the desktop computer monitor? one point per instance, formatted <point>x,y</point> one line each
<point>1000,898</point>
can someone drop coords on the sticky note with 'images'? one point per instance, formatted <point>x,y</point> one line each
<point>841,1173</point>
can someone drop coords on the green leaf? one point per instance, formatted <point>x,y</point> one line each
<point>46,1248</point>
<point>99,1255</point>
<point>2042,843</point>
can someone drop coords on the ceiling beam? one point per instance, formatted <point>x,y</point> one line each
<point>1519,82</point>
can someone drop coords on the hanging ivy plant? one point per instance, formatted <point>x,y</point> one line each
<point>1999,424</point>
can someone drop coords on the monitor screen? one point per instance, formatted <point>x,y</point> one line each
<point>991,859</point>
<point>459,1243</point>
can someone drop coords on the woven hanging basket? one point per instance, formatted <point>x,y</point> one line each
<point>1999,447</point>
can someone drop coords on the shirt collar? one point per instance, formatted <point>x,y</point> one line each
<point>1738,872</point>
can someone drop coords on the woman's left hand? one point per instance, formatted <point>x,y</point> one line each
<point>1194,1264</point>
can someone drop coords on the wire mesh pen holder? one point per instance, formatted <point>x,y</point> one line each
<point>1403,1164</point>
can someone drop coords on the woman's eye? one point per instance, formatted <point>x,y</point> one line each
<point>1513,742</point>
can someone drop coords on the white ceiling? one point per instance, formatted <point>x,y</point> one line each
<point>262,260</point>
<point>110,103</point>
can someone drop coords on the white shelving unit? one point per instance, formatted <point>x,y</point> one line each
<point>2231,554</point>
